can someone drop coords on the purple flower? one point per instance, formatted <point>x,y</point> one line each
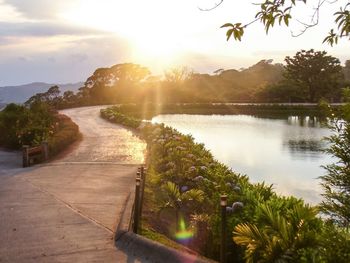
<point>237,189</point>
<point>184,188</point>
<point>229,209</point>
<point>192,169</point>
<point>198,178</point>
<point>236,206</point>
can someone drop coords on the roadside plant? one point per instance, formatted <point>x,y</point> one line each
<point>336,181</point>
<point>278,237</point>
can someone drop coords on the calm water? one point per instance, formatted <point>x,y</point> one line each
<point>283,152</point>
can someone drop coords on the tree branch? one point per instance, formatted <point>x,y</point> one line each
<point>211,8</point>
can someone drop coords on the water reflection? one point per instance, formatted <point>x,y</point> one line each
<point>305,148</point>
<point>304,121</point>
<point>285,152</point>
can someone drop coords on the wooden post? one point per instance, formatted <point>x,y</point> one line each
<point>45,149</point>
<point>223,203</point>
<point>25,155</point>
<point>137,206</point>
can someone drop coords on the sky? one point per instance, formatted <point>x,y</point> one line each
<point>65,41</point>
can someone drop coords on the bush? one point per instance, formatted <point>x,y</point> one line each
<point>113,115</point>
<point>20,125</point>
<point>66,133</point>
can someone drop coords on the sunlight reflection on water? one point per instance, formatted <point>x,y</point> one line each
<point>284,152</point>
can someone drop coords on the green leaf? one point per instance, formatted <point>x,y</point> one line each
<point>229,33</point>
<point>227,25</point>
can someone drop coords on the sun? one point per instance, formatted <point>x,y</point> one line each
<point>153,35</point>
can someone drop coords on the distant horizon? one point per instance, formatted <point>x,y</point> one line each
<point>208,71</point>
<point>41,82</point>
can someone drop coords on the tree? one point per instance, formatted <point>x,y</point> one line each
<point>108,85</point>
<point>280,12</point>
<point>178,75</point>
<point>346,71</point>
<point>336,181</point>
<point>50,97</point>
<point>118,75</point>
<point>316,72</point>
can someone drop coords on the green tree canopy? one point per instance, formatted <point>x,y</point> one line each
<point>114,84</point>
<point>118,74</point>
<point>315,71</point>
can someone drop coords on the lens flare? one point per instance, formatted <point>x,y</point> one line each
<point>183,235</point>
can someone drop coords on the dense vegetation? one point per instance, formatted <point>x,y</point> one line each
<point>336,181</point>
<point>33,123</point>
<point>308,76</point>
<point>25,125</point>
<point>182,196</point>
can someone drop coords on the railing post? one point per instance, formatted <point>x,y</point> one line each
<point>223,204</point>
<point>143,183</point>
<point>25,155</point>
<point>137,206</point>
<point>45,149</point>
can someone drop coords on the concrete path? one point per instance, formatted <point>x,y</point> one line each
<point>68,210</point>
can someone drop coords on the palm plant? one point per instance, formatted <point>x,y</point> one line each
<point>281,236</point>
<point>176,199</point>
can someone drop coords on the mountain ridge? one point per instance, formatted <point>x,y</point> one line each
<point>21,93</point>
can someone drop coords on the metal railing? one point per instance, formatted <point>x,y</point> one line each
<point>136,215</point>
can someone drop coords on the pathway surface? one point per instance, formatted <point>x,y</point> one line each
<point>68,210</point>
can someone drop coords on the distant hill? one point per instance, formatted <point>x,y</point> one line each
<point>20,94</point>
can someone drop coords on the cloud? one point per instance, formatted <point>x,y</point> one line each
<point>39,9</point>
<point>79,57</point>
<point>43,29</point>
<point>23,59</point>
<point>74,62</point>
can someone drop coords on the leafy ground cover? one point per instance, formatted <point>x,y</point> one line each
<point>183,188</point>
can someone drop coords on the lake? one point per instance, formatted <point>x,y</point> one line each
<point>284,152</point>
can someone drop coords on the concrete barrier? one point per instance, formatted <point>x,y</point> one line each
<point>141,249</point>
<point>146,250</point>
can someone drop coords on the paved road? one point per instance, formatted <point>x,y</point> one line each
<point>68,210</point>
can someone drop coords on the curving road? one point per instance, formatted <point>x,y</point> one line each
<point>103,141</point>
<point>69,209</point>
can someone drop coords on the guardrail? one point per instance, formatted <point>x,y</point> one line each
<point>32,155</point>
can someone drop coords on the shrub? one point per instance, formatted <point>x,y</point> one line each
<point>66,133</point>
<point>20,125</point>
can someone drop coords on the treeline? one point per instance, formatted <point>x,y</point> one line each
<point>308,76</point>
